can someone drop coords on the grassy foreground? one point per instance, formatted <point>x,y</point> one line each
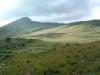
<point>62,59</point>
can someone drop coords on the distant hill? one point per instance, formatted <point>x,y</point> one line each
<point>23,26</point>
<point>50,48</point>
<point>83,31</point>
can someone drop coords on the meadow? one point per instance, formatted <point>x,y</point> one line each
<point>36,57</point>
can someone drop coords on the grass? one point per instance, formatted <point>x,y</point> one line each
<point>80,33</point>
<point>56,59</point>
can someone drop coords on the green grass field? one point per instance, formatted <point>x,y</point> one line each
<point>35,57</point>
<point>81,33</point>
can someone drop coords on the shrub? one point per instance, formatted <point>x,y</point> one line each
<point>8,40</point>
<point>50,71</point>
<point>27,61</point>
<point>67,44</point>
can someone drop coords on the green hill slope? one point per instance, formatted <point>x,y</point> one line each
<point>51,49</point>
<point>23,26</point>
<point>86,31</point>
<point>57,59</point>
<point>83,31</point>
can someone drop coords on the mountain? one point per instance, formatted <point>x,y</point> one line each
<point>23,26</point>
<point>54,42</point>
<point>83,31</point>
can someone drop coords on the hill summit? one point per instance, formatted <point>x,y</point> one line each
<point>23,26</point>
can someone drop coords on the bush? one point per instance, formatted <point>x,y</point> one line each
<point>67,44</point>
<point>8,40</point>
<point>27,61</point>
<point>50,71</point>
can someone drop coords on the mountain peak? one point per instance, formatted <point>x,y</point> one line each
<point>21,21</point>
<point>25,19</point>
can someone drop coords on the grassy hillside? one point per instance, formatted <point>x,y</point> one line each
<point>81,32</point>
<point>23,26</point>
<point>50,48</point>
<point>55,58</point>
<point>86,31</point>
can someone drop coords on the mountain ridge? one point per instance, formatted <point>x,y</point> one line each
<point>22,26</point>
<point>85,31</point>
<point>77,31</point>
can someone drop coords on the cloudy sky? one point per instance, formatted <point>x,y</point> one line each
<point>49,10</point>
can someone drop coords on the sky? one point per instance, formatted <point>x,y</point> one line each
<point>63,11</point>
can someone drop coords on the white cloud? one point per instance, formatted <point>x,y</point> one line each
<point>5,5</point>
<point>96,1</point>
<point>4,22</point>
<point>57,2</point>
<point>50,10</point>
<point>96,12</point>
<point>50,18</point>
<point>58,17</point>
